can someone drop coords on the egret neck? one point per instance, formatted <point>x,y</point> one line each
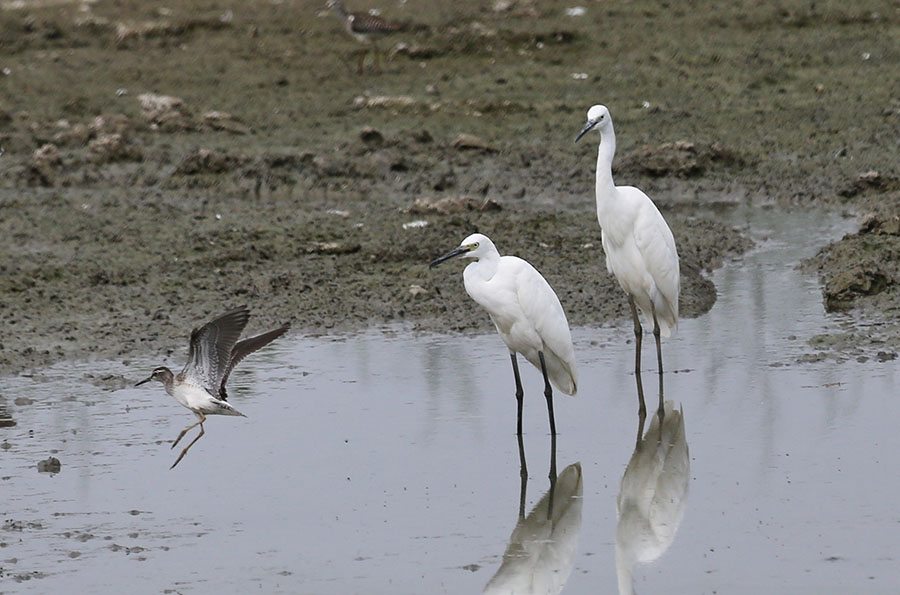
<point>606,187</point>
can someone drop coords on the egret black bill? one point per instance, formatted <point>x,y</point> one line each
<point>452,254</point>
<point>587,127</point>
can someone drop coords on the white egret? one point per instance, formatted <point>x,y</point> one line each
<point>639,246</point>
<point>526,312</point>
<point>215,351</point>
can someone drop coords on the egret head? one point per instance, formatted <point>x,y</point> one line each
<point>476,246</point>
<point>597,118</point>
<point>162,374</point>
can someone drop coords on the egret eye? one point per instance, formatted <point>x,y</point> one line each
<point>474,246</point>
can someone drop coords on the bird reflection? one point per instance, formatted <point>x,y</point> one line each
<point>541,550</point>
<point>652,495</point>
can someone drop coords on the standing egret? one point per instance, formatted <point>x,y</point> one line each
<point>215,351</point>
<point>640,249</point>
<point>526,312</point>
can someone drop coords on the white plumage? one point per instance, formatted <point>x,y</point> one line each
<point>639,246</point>
<point>524,309</point>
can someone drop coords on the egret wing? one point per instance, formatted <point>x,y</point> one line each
<point>656,244</point>
<point>541,306</point>
<point>211,347</point>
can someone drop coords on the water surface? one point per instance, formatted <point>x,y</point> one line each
<point>386,462</point>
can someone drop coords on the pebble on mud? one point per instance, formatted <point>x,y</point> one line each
<point>50,465</point>
<point>416,290</point>
<point>385,101</point>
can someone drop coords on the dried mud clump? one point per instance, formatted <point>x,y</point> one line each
<point>451,205</point>
<point>50,465</point>
<point>862,266</point>
<point>45,163</point>
<point>870,181</point>
<point>225,122</point>
<point>108,148</point>
<point>681,158</point>
<point>204,161</point>
<point>846,286</point>
<point>165,112</point>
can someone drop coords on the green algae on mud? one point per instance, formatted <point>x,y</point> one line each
<point>162,163</point>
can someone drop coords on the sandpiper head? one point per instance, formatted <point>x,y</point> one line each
<point>597,117</point>
<point>162,374</point>
<point>474,246</point>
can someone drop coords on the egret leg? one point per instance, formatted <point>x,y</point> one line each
<point>638,334</point>
<point>189,428</point>
<point>656,335</point>
<point>548,392</point>
<point>640,432</point>
<point>523,475</point>
<point>552,476</point>
<point>519,392</point>
<point>186,448</point>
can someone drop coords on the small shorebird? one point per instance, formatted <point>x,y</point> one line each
<point>365,28</point>
<point>639,246</point>
<point>215,351</point>
<point>526,312</point>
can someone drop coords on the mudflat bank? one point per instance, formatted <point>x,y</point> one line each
<point>163,163</point>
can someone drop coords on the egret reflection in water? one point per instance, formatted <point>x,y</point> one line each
<point>541,551</point>
<point>652,495</point>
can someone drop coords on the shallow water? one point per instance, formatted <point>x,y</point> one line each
<point>386,462</point>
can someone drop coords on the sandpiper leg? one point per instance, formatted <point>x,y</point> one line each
<point>519,392</point>
<point>186,448</point>
<point>548,392</point>
<point>359,65</point>
<point>189,428</point>
<point>638,334</point>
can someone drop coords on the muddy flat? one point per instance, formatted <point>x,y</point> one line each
<point>161,163</point>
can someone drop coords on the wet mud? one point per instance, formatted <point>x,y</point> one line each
<point>161,162</point>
